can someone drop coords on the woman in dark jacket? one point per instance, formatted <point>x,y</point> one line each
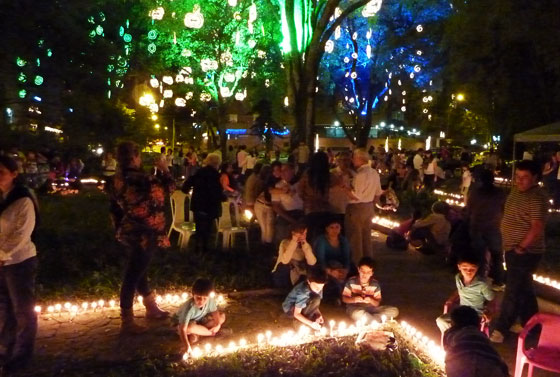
<point>137,204</point>
<point>18,265</point>
<point>206,200</point>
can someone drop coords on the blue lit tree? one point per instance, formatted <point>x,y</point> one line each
<point>380,60</point>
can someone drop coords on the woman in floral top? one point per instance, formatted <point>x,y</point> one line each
<point>137,204</point>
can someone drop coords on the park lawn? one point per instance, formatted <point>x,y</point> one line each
<point>78,255</point>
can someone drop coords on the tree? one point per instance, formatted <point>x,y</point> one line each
<point>307,25</point>
<point>502,56</point>
<point>382,59</point>
<point>211,53</point>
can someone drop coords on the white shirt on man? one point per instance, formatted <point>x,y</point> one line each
<point>290,201</point>
<point>16,225</point>
<point>366,185</point>
<point>418,161</point>
<point>242,158</point>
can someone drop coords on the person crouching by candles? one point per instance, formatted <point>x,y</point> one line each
<point>362,295</point>
<point>468,350</point>
<point>303,302</point>
<point>294,257</point>
<point>18,265</point>
<point>199,315</point>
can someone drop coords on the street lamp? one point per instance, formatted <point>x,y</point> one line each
<point>460,97</point>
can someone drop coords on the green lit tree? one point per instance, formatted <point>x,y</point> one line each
<point>209,55</point>
<point>307,25</point>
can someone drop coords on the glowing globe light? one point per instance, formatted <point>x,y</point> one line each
<point>371,8</point>
<point>189,95</point>
<point>194,19</point>
<point>22,93</point>
<point>22,77</point>
<point>168,80</point>
<point>146,100</point>
<point>417,68</point>
<point>179,78</point>
<point>403,109</point>
<point>226,58</point>
<point>157,14</point>
<point>354,75</point>
<point>38,80</point>
<point>127,38</point>
<point>154,108</point>
<point>20,62</point>
<point>411,75</point>
<point>232,3</point>
<point>419,28</point>
<point>225,92</point>
<point>154,83</point>
<point>208,65</point>
<point>152,48</point>
<point>180,102</point>
<point>205,97</point>
<point>99,29</point>
<point>419,52</point>
<point>152,34</point>
<point>354,55</point>
<point>229,77</point>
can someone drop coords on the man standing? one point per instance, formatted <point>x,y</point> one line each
<point>366,187</point>
<point>523,241</point>
<point>418,162</point>
<point>242,159</point>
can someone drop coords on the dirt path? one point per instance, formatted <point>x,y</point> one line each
<point>417,284</point>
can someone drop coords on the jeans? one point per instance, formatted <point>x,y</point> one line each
<point>265,216</point>
<point>203,225</point>
<point>489,239</point>
<point>18,320</point>
<point>357,312</point>
<point>136,275</point>
<point>519,296</point>
<point>357,223</point>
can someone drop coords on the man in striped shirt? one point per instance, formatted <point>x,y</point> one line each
<point>523,241</point>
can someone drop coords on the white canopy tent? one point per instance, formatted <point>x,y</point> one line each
<point>549,133</point>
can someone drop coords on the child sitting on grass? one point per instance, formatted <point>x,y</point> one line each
<point>471,291</point>
<point>305,298</point>
<point>199,315</point>
<point>431,234</point>
<point>362,295</point>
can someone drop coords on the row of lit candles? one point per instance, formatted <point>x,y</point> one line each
<point>547,281</point>
<point>97,305</point>
<point>306,335</point>
<point>385,222</point>
<point>449,194</point>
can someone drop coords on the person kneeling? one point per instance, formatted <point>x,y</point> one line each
<point>362,295</point>
<point>468,351</point>
<point>199,315</point>
<point>305,298</point>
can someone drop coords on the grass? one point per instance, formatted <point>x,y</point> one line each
<point>328,357</point>
<point>79,257</point>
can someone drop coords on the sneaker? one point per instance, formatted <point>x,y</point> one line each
<point>498,287</point>
<point>516,328</point>
<point>496,337</point>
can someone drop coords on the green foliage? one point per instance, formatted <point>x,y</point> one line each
<point>79,257</point>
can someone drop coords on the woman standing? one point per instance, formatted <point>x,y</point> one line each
<point>18,265</point>
<point>138,209</point>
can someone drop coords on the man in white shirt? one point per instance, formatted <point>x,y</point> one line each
<point>418,162</point>
<point>366,188</point>
<point>302,156</point>
<point>242,159</point>
<point>286,203</point>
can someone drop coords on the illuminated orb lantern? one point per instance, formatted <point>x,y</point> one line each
<point>229,77</point>
<point>205,97</point>
<point>419,28</point>
<point>168,80</point>
<point>180,102</point>
<point>38,80</point>
<point>154,108</point>
<point>417,68</point>
<point>208,65</point>
<point>403,109</point>
<point>154,83</point>
<point>261,54</point>
<point>146,100</point>
<point>22,93</point>
<point>189,95</point>
<point>20,62</point>
<point>152,34</point>
<point>179,78</point>
<point>152,48</point>
<point>157,14</point>
<point>240,96</point>
<point>167,93</point>
<point>232,3</point>
<point>194,19</point>
<point>225,91</point>
<point>371,8</point>
<point>329,46</point>
<point>226,58</point>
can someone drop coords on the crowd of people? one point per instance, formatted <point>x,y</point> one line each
<point>316,210</point>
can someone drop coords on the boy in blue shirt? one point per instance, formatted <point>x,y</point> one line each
<point>199,315</point>
<point>472,291</point>
<point>304,299</point>
<point>362,295</point>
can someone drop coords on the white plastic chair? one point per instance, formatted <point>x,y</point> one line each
<point>226,228</point>
<point>178,223</point>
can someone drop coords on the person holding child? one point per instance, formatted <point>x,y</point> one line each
<point>471,291</point>
<point>294,257</point>
<point>199,315</point>
<point>303,301</point>
<point>362,295</point>
<point>333,255</point>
